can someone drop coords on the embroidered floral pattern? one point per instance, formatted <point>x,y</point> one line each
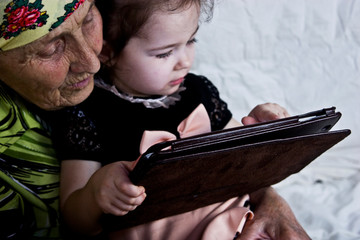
<point>20,15</point>
<point>69,9</point>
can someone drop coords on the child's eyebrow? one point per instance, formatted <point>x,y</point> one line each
<point>173,45</point>
<point>196,30</point>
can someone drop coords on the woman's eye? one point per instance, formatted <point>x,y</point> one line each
<point>164,55</point>
<point>192,41</point>
<point>89,17</point>
<point>52,49</point>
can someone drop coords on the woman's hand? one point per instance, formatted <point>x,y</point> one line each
<point>265,112</point>
<point>113,191</point>
<point>273,219</point>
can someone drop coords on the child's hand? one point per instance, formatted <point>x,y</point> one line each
<point>114,193</point>
<point>265,112</point>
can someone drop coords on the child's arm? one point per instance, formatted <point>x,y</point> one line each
<point>88,190</point>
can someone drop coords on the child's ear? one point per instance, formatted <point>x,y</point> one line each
<point>106,53</point>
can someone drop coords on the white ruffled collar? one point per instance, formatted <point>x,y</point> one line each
<point>163,101</point>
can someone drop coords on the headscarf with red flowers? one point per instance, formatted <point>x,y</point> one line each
<point>24,21</point>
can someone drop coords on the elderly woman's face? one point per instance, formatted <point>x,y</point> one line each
<point>58,69</point>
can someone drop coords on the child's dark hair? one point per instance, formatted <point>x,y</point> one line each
<point>124,19</point>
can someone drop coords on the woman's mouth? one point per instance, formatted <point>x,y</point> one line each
<point>82,83</point>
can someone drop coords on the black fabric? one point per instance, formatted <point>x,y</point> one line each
<point>106,128</point>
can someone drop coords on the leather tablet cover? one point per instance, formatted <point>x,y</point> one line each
<point>214,167</point>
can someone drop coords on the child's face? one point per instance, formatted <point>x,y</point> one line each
<point>156,62</point>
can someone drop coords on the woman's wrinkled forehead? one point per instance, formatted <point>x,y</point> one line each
<point>24,21</point>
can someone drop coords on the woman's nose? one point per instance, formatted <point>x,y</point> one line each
<point>87,61</point>
<point>85,57</point>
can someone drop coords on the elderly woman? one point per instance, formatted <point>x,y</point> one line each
<point>48,58</point>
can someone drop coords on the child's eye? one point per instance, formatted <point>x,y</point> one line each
<point>164,55</point>
<point>192,41</point>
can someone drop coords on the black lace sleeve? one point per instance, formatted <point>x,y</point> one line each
<point>75,136</point>
<point>217,109</point>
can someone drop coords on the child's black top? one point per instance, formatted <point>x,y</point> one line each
<point>107,128</point>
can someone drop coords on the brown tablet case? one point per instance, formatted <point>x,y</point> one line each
<point>190,173</point>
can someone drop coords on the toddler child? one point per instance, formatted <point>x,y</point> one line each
<point>143,95</point>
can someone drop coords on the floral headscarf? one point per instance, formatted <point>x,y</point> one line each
<point>24,21</point>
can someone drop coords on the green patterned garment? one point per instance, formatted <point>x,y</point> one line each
<point>29,174</point>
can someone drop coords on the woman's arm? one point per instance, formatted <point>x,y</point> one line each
<point>273,218</point>
<point>88,190</point>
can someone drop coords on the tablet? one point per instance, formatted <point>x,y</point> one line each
<point>186,174</point>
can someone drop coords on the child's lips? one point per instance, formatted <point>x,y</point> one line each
<point>177,81</point>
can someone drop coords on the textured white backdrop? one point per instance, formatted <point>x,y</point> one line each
<point>304,55</point>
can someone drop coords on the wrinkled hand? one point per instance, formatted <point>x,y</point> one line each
<point>265,112</point>
<point>273,219</point>
<point>113,191</point>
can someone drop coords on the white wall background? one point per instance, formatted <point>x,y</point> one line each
<point>304,55</point>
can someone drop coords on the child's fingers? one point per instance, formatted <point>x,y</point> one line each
<point>268,116</point>
<point>121,204</point>
<point>116,209</point>
<point>130,201</point>
<point>248,120</point>
<point>267,112</point>
<point>128,193</point>
<point>125,186</point>
<point>119,208</point>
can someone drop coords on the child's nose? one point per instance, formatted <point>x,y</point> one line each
<point>184,61</point>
